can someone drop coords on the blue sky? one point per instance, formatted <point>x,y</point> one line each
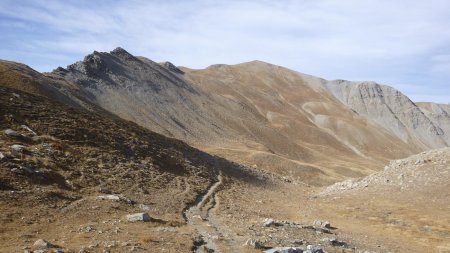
<point>405,44</point>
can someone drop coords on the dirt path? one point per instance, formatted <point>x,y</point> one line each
<point>201,217</point>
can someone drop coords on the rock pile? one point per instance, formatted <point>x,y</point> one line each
<point>426,168</point>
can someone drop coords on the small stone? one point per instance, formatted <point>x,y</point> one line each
<point>144,207</point>
<point>268,222</point>
<point>298,242</point>
<point>1,156</point>
<point>109,197</point>
<point>42,243</point>
<point>28,169</point>
<point>16,149</point>
<point>322,224</point>
<point>334,242</point>
<point>314,249</point>
<point>138,217</point>
<point>12,133</point>
<point>28,129</point>
<point>88,229</point>
<point>284,250</point>
<point>254,243</point>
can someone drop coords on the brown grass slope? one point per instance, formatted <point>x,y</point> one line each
<point>294,120</point>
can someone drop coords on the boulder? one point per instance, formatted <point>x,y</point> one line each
<point>1,156</point>
<point>138,217</point>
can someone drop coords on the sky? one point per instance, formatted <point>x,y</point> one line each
<point>401,43</point>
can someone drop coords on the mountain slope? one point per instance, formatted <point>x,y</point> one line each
<point>77,172</point>
<point>19,76</point>
<point>254,113</point>
<point>392,110</point>
<point>439,114</point>
<point>300,114</point>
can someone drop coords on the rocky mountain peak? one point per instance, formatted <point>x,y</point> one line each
<point>119,50</point>
<point>122,53</point>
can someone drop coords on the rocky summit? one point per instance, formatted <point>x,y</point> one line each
<point>119,153</point>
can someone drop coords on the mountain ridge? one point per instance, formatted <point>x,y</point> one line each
<point>255,113</point>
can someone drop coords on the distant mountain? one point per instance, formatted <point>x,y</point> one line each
<point>394,111</point>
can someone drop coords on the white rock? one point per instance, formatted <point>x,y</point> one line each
<point>12,133</point>
<point>253,243</point>
<point>138,217</point>
<point>28,129</point>
<point>42,243</point>
<point>314,249</point>
<point>109,197</point>
<point>16,149</point>
<point>284,250</point>
<point>1,156</point>
<point>322,224</point>
<point>144,207</point>
<point>268,222</point>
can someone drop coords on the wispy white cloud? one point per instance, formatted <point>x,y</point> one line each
<point>393,42</point>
